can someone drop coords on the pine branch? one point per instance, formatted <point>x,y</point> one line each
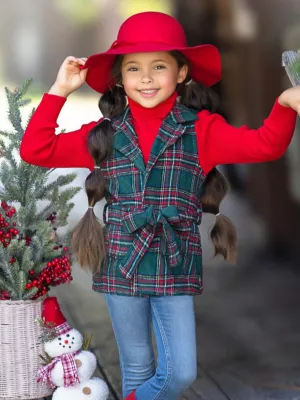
<point>63,215</point>
<point>6,134</point>
<point>3,147</point>
<point>30,293</point>
<point>60,181</point>
<point>27,262</point>
<point>13,112</point>
<point>23,89</point>
<point>5,269</point>
<point>30,115</point>
<point>21,283</point>
<point>6,286</point>
<point>24,103</point>
<point>15,268</point>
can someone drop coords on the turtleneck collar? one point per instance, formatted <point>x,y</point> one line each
<point>160,111</point>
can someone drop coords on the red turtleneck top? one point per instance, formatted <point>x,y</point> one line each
<point>218,142</point>
<point>147,121</point>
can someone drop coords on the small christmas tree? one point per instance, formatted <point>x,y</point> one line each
<point>31,256</point>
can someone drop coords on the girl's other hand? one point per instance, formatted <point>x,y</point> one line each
<point>70,76</point>
<point>291,98</point>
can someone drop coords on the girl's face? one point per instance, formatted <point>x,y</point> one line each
<point>151,78</point>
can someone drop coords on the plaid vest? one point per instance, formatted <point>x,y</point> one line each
<point>153,211</point>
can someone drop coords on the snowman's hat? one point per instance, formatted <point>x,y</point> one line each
<point>51,313</point>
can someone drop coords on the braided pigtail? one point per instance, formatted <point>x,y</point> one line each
<point>88,236</point>
<point>223,235</point>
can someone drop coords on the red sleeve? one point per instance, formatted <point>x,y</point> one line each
<point>41,146</point>
<point>221,143</point>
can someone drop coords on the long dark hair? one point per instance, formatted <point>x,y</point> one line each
<point>88,236</point>
<point>216,186</point>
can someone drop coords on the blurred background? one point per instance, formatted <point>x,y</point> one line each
<point>36,36</point>
<point>260,297</point>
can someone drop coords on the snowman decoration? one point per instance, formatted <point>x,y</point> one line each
<point>71,368</point>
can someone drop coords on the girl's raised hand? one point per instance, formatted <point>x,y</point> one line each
<point>291,98</point>
<point>70,76</point>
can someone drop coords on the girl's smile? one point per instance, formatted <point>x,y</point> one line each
<point>151,78</point>
<point>146,93</point>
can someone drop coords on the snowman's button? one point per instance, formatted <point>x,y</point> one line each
<point>86,390</point>
<point>78,363</point>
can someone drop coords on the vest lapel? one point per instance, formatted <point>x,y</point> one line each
<point>173,126</point>
<point>125,140</point>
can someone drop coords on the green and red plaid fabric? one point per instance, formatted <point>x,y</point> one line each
<point>153,211</point>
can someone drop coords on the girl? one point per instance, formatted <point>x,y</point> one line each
<point>153,160</point>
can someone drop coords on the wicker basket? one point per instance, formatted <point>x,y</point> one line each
<point>20,350</point>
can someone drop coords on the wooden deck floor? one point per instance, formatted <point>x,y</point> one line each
<point>248,334</point>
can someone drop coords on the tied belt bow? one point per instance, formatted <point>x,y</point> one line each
<point>144,223</point>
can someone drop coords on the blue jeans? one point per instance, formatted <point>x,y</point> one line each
<point>173,321</point>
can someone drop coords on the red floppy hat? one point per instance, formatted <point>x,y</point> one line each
<point>152,32</point>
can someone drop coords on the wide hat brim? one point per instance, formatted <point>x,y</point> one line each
<point>205,63</point>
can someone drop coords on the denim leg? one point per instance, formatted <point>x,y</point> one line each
<point>131,321</point>
<point>174,327</point>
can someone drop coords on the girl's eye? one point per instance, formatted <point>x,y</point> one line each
<point>132,69</point>
<point>160,67</point>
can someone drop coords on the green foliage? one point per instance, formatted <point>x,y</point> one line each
<point>48,331</point>
<point>14,275</point>
<point>27,186</point>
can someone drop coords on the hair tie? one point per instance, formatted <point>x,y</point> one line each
<point>97,166</point>
<point>90,207</point>
<point>119,85</point>
<point>108,119</point>
<point>189,82</point>
<point>218,214</point>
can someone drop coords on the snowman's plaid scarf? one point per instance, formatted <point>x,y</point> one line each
<point>69,367</point>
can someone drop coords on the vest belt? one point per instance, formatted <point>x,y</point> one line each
<point>144,223</point>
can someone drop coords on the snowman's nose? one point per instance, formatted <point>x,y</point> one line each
<point>66,341</point>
